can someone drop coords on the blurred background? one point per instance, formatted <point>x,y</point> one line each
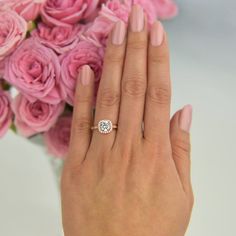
<point>203,48</point>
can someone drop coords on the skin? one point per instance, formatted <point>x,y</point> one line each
<point>134,181</point>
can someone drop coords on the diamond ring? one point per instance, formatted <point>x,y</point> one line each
<point>104,127</point>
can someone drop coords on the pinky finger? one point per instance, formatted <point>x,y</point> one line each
<point>180,142</point>
<point>82,117</point>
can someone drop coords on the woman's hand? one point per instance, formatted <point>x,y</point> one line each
<point>135,180</point>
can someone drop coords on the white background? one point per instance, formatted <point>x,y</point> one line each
<point>203,47</point>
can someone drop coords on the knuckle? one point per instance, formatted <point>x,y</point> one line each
<point>83,99</point>
<point>159,94</point>
<point>114,56</point>
<point>159,58</point>
<point>134,87</point>
<point>108,98</point>
<point>181,148</point>
<point>82,124</point>
<point>137,43</point>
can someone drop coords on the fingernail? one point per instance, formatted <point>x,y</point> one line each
<point>137,19</point>
<point>186,118</point>
<point>157,34</point>
<point>85,75</point>
<point>119,33</point>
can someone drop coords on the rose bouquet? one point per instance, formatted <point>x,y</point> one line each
<point>43,45</point>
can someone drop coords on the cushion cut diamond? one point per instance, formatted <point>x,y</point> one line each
<point>105,126</point>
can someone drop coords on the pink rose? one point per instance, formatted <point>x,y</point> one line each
<point>60,39</point>
<point>84,53</point>
<point>6,114</point>
<point>64,13</point>
<point>110,13</point>
<point>35,71</point>
<point>165,8</point>
<point>2,67</point>
<point>57,139</point>
<point>28,9</point>
<point>35,117</point>
<point>13,30</point>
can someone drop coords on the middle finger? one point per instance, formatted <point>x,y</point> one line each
<point>134,79</point>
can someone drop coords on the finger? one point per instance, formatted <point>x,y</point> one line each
<point>82,116</point>
<point>157,108</point>
<point>135,76</point>
<point>180,142</point>
<point>108,99</point>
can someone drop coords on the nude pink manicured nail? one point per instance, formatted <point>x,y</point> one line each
<point>85,75</point>
<point>157,34</point>
<point>137,19</point>
<point>186,118</point>
<point>119,33</point>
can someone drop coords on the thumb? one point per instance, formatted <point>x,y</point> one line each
<point>180,141</point>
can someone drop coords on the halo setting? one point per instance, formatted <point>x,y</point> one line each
<point>105,126</point>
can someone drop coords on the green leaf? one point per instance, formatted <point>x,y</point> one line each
<point>13,128</point>
<point>31,26</point>
<point>6,86</point>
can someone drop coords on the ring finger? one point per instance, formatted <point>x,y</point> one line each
<point>108,99</point>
